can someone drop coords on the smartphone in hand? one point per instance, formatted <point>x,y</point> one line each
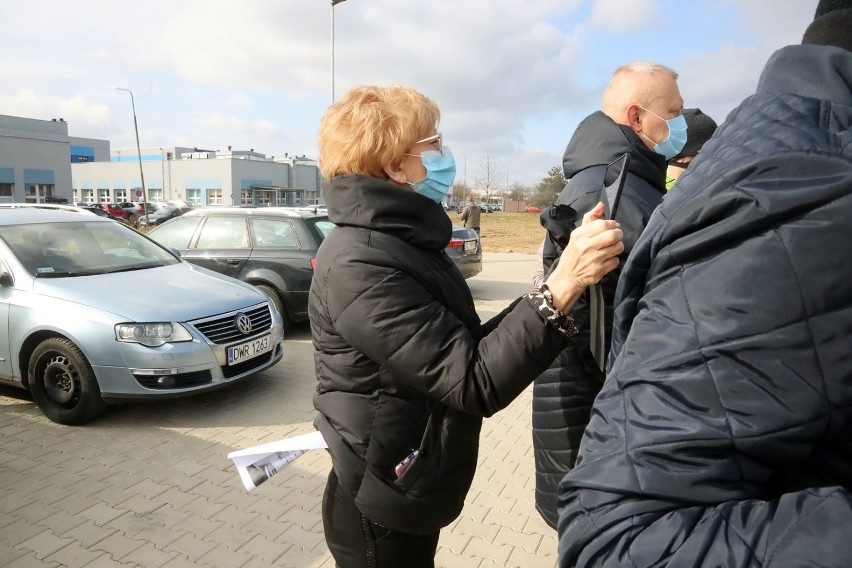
<point>403,466</point>
<point>614,178</point>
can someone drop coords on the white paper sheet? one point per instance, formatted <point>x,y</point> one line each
<point>257,464</point>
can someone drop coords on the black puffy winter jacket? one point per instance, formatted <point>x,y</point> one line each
<point>564,393</point>
<point>722,434</point>
<point>401,360</point>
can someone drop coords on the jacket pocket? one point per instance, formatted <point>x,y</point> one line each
<point>429,454</point>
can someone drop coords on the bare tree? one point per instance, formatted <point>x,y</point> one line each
<point>490,178</point>
<point>459,192</point>
<point>520,192</point>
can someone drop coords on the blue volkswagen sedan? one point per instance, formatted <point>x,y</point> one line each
<point>82,324</point>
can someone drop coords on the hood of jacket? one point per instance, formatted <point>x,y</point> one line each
<point>372,203</point>
<point>598,141</point>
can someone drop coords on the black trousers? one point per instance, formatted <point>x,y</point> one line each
<point>357,542</point>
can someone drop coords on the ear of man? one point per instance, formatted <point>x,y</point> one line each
<point>633,114</point>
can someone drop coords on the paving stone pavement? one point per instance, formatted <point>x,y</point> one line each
<point>149,485</point>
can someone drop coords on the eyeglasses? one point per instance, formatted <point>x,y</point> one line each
<point>436,139</point>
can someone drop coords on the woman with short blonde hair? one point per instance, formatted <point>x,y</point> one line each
<point>370,126</point>
<point>405,370</point>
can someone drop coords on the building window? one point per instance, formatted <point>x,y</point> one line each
<point>88,195</point>
<point>155,194</point>
<point>120,195</point>
<point>103,196</point>
<point>245,197</point>
<point>36,192</point>
<point>6,195</point>
<point>193,196</point>
<point>214,197</point>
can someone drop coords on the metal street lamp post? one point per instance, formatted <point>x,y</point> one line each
<point>138,154</point>
<point>163,174</point>
<point>333,4</point>
<point>464,187</point>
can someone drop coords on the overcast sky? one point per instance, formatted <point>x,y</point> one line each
<point>512,77</point>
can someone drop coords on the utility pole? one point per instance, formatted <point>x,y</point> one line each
<point>333,4</point>
<point>138,154</point>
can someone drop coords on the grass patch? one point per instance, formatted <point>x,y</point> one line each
<point>508,232</point>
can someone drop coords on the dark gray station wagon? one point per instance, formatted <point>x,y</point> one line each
<point>271,248</point>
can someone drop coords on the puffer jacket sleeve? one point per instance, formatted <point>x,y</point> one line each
<point>392,318</point>
<point>721,436</point>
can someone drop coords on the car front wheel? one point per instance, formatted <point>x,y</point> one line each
<point>63,384</point>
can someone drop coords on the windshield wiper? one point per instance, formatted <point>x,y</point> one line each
<point>67,273</point>
<point>132,268</point>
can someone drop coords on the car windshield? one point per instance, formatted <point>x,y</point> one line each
<point>53,250</point>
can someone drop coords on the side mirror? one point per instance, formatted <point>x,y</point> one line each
<point>6,280</point>
<point>174,251</point>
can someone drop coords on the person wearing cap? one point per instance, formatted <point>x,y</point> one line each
<point>722,434</point>
<point>699,129</point>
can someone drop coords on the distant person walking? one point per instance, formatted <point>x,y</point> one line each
<point>470,215</point>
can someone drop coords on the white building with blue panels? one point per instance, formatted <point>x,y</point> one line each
<point>39,162</point>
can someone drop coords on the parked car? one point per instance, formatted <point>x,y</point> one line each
<point>80,330</point>
<point>118,212</point>
<point>135,207</point>
<point>162,215</point>
<point>176,203</point>
<point>272,248</point>
<point>465,250</point>
<point>99,211</point>
<point>55,207</point>
<point>316,209</point>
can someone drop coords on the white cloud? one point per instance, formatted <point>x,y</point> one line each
<point>510,75</point>
<point>619,16</point>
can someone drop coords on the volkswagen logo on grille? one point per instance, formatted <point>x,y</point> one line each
<point>243,323</point>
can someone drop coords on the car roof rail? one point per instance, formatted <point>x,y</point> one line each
<point>56,206</point>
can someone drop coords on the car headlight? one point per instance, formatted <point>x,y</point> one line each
<point>152,334</point>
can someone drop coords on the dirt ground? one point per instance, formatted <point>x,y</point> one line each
<point>508,232</point>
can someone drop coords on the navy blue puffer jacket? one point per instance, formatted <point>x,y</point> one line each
<point>723,433</point>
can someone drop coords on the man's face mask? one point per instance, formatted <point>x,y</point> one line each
<point>675,141</point>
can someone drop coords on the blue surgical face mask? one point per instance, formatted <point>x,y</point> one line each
<point>676,140</point>
<point>440,174</point>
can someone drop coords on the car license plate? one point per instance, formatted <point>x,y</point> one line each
<point>469,246</point>
<point>249,349</point>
